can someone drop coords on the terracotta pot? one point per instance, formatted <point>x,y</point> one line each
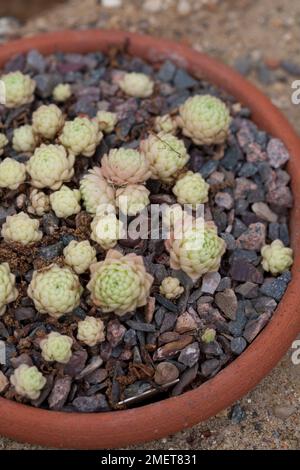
<point>120,428</point>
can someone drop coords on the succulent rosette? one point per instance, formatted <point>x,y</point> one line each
<point>3,143</point>
<point>24,139</point>
<point>39,203</point>
<point>124,166</point>
<point>81,136</point>
<point>205,119</point>
<point>12,173</point>
<point>106,121</point>
<point>171,288</point>
<point>165,124</point>
<point>50,166</point>
<point>192,189</point>
<point>65,201</point>
<point>209,335</point>
<point>137,84</point>
<point>62,92</point>
<point>22,229</point>
<point>8,292</point>
<point>166,154</point>
<point>80,255</point>
<point>47,121</point>
<point>95,191</point>
<point>197,251</point>
<point>56,347</point>
<point>120,283</point>
<point>276,258</point>
<point>91,331</point>
<point>28,381</point>
<point>132,199</point>
<point>19,89</point>
<point>55,290</point>
<point>107,229</point>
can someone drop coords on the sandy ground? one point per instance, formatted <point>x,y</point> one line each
<point>265,31</point>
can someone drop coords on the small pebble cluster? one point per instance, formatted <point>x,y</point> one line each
<point>90,316</point>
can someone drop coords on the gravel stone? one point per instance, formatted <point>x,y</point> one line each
<point>280,197</point>
<point>210,367</point>
<point>237,414</point>
<point>92,404</point>
<point>185,323</point>
<point>189,356</point>
<point>254,238</point>
<point>274,287</point>
<point>168,322</point>
<point>210,282</point>
<point>227,302</point>
<point>183,79</point>
<point>60,393</point>
<point>51,251</point>
<point>249,290</point>
<point>254,327</point>
<point>115,332</point>
<point>186,379</point>
<point>264,304</point>
<point>24,313</point>
<point>76,363</point>
<point>238,345</point>
<point>277,153</point>
<point>224,200</point>
<point>208,168</point>
<point>166,372</point>
<point>263,211</point>
<point>139,326</point>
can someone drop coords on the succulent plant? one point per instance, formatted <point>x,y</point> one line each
<point>91,331</point>
<point>132,199</point>
<point>107,121</point>
<point>28,381</point>
<point>106,230</point>
<point>65,201</point>
<point>209,335</point>
<point>95,191</point>
<point>205,119</point>
<point>3,143</point>
<point>24,139</point>
<point>165,124</point>
<point>47,121</point>
<point>136,84</point>
<point>8,292</point>
<point>167,155</point>
<point>19,89</point>
<point>22,229</point>
<point>50,166</point>
<point>39,203</point>
<point>55,290</point>
<point>56,347</point>
<point>79,255</point>
<point>192,189</point>
<point>62,92</point>
<point>81,136</point>
<point>276,258</point>
<point>120,283</point>
<point>12,173</point>
<point>171,288</point>
<point>124,166</point>
<point>197,251</point>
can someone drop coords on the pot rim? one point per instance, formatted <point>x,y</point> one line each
<point>119,428</point>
